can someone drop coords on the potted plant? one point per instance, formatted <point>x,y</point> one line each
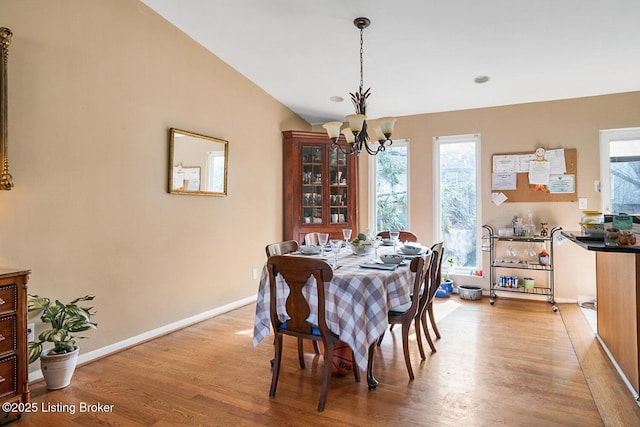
<point>58,363</point>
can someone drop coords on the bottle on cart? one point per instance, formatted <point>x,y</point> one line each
<point>543,256</point>
<point>529,226</point>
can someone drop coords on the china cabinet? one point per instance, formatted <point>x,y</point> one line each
<point>521,253</point>
<point>320,185</point>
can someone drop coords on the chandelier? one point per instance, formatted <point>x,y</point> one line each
<point>357,133</point>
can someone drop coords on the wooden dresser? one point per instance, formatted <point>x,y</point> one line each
<point>14,365</point>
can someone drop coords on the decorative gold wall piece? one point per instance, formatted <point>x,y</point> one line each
<point>197,164</point>
<point>6,180</point>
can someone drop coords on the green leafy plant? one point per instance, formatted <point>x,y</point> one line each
<point>65,320</point>
<point>450,261</point>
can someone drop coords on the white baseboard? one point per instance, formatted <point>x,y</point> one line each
<point>154,333</point>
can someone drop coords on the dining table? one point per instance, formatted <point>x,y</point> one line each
<point>357,301</point>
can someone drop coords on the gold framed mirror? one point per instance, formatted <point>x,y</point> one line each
<point>197,164</point>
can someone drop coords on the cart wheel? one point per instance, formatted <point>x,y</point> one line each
<point>492,302</point>
<point>554,308</point>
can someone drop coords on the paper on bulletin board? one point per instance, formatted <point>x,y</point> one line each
<point>557,163</point>
<point>498,198</point>
<point>562,183</point>
<point>505,163</point>
<point>523,162</point>
<point>503,180</point>
<point>539,172</point>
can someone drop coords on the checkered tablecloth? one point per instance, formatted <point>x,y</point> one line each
<point>357,301</point>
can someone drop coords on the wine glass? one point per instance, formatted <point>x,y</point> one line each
<point>346,233</point>
<point>336,244</point>
<point>530,252</point>
<point>394,235</point>
<point>322,239</point>
<point>376,242</point>
<point>510,252</point>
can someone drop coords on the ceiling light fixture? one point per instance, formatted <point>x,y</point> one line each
<point>356,134</point>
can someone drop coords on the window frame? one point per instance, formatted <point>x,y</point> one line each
<point>606,136</point>
<point>373,200</point>
<point>437,204</point>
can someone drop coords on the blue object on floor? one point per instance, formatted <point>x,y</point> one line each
<point>445,289</point>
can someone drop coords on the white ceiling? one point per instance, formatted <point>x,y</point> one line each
<point>420,56</point>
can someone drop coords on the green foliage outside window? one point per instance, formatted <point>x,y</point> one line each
<point>391,189</point>
<point>458,197</point>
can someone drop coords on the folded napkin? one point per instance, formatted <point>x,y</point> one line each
<point>379,266</point>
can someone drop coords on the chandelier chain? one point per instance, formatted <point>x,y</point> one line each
<point>361,61</point>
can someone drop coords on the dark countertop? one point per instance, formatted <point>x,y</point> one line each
<point>597,244</point>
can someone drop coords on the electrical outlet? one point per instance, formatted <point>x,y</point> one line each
<point>31,332</point>
<point>255,273</point>
<point>582,203</point>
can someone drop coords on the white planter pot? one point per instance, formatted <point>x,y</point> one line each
<point>58,369</point>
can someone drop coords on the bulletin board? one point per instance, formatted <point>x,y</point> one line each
<point>524,192</point>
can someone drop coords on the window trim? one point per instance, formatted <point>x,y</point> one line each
<point>373,200</point>
<point>437,203</point>
<point>606,136</point>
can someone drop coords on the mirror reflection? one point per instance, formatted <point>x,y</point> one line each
<point>198,164</point>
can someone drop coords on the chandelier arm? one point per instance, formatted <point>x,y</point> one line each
<point>370,150</point>
<point>339,147</point>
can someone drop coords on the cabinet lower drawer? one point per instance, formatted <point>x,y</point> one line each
<point>8,299</point>
<point>8,378</point>
<point>8,334</point>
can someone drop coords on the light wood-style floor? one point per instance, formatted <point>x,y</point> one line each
<point>511,364</point>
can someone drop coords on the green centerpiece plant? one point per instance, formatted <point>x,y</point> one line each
<point>361,244</point>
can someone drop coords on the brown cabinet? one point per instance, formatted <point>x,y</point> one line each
<point>618,296</point>
<point>14,373</point>
<point>320,186</point>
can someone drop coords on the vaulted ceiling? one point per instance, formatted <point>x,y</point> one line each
<point>420,56</point>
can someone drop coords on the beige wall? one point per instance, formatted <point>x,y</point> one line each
<point>573,123</point>
<point>94,87</point>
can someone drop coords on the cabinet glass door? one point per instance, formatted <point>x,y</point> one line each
<point>312,170</point>
<point>338,196</point>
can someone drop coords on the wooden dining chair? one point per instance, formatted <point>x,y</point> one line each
<point>296,272</point>
<point>283,248</point>
<point>404,315</point>
<point>425,306</point>
<point>405,236</point>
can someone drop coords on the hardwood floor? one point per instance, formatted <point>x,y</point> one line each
<point>510,364</point>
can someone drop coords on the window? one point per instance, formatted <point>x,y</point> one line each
<point>456,205</point>
<point>620,170</point>
<point>214,171</point>
<point>389,186</point>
